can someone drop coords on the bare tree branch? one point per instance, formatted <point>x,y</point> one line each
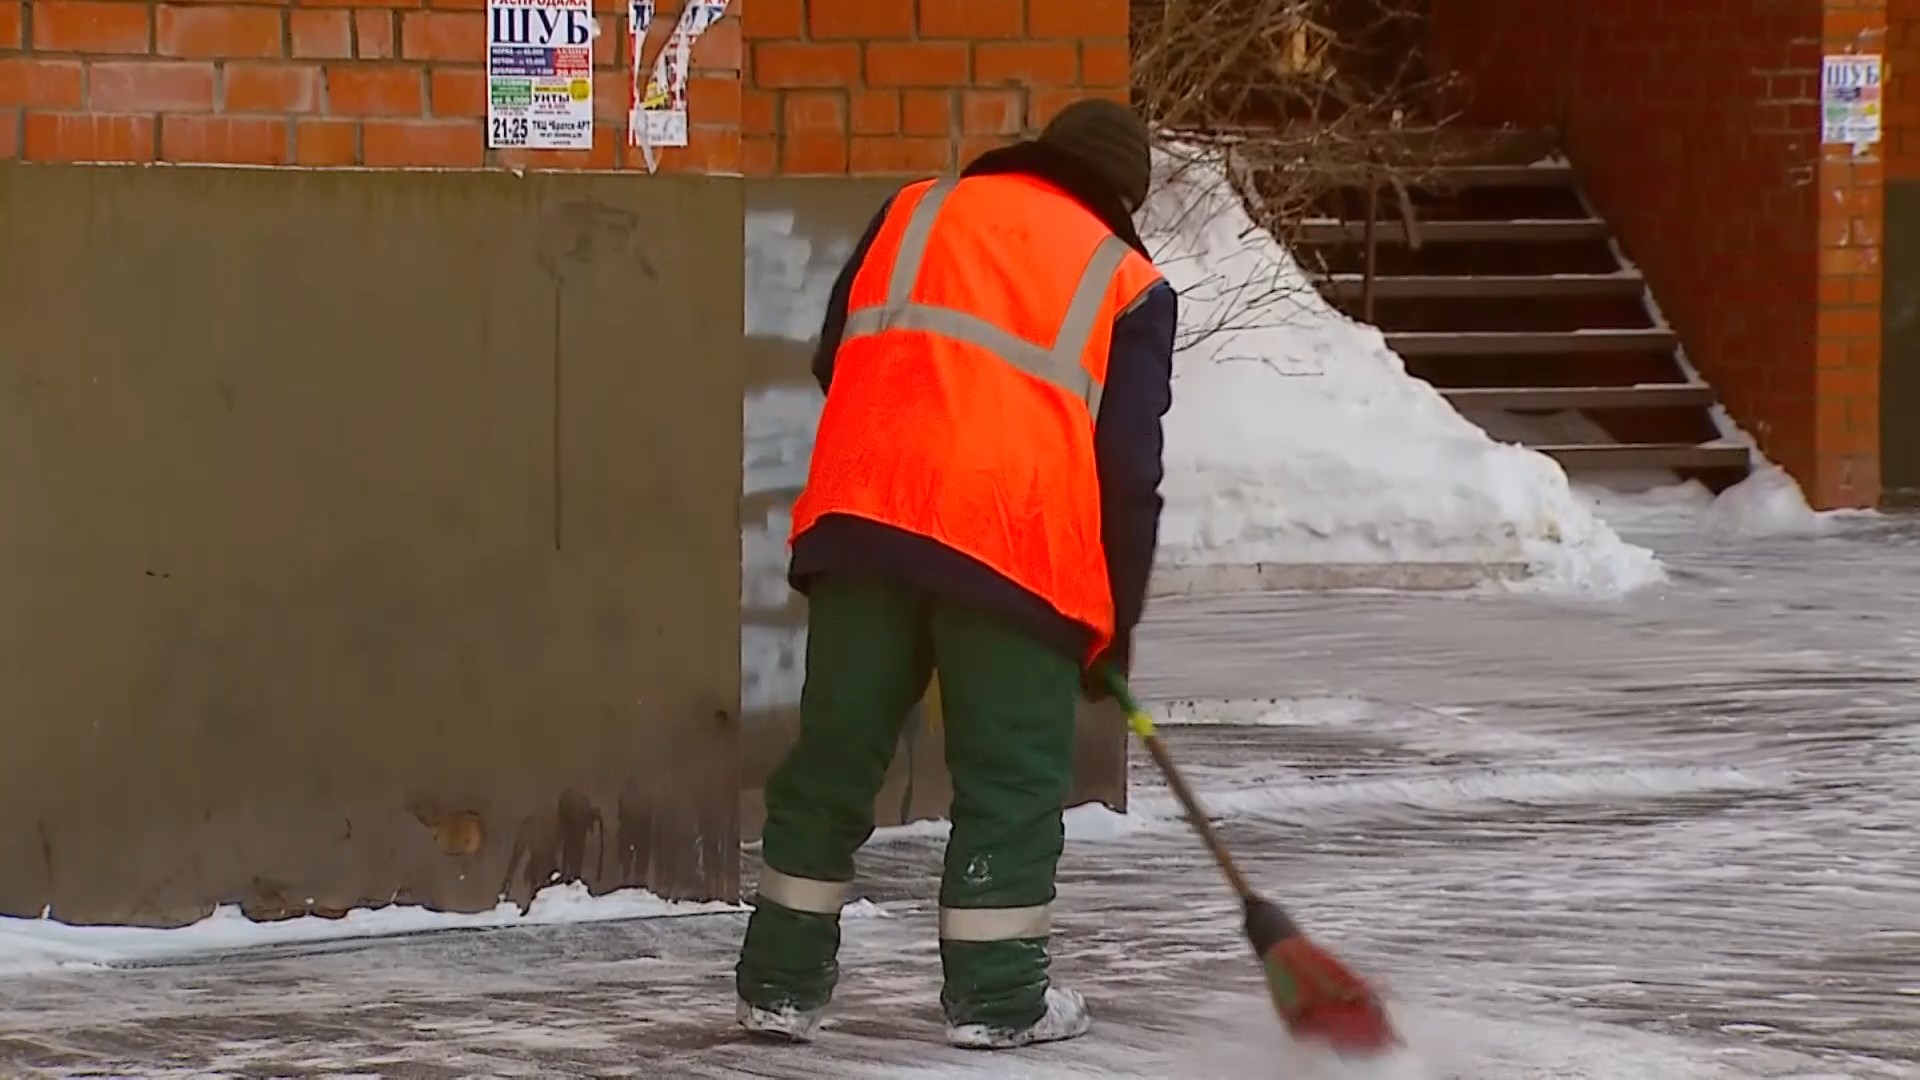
<point>1307,105</point>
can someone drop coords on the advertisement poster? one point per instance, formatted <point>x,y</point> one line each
<point>658,116</point>
<point>1850,100</point>
<point>540,74</point>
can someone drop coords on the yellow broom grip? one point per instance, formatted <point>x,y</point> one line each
<point>1137,717</point>
<point>933,703</point>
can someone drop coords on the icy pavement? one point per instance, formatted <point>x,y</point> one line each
<point>1665,839</point>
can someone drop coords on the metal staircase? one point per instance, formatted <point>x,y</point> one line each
<point>1497,282</point>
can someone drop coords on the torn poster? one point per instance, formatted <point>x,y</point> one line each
<point>1850,100</point>
<point>657,115</point>
<point>540,74</point>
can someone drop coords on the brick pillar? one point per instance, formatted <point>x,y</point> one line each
<point>1846,377</point>
<point>883,87</point>
<point>378,83</point>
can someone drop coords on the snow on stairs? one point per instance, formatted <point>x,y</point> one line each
<point>1500,284</point>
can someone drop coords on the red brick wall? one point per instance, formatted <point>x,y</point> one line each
<point>832,86</point>
<point>875,87</point>
<point>380,83</point>
<point>1697,129</point>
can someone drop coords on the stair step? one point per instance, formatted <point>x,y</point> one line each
<point>1412,344</point>
<point>1524,230</point>
<point>1557,398</point>
<point>1491,287</point>
<point>1634,456</point>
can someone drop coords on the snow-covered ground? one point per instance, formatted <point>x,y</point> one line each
<point>1662,838</point>
<point>1659,838</point>
<point>41,946</point>
<point>33,946</point>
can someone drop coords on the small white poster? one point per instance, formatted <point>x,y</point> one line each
<point>540,74</point>
<point>658,113</point>
<point>1850,100</point>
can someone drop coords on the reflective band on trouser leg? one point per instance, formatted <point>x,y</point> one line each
<point>802,894</point>
<point>996,924</point>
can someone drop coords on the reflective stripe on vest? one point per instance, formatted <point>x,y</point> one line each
<point>996,924</point>
<point>802,894</point>
<point>1059,364</point>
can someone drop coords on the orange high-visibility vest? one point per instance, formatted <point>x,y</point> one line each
<point>966,388</point>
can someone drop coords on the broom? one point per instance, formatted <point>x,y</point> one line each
<point>1317,996</point>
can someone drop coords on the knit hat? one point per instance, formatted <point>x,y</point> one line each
<point>1110,140</point>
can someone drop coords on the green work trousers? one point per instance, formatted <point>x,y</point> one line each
<point>1008,704</point>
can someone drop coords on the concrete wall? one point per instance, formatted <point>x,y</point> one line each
<point>1696,128</point>
<point>798,235</point>
<point>365,535</point>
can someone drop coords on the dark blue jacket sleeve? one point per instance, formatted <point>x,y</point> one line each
<point>835,325</point>
<point>1129,447</point>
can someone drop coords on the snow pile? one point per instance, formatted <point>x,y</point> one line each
<point>864,909</point>
<point>1296,435</point>
<point>34,945</point>
<point>1767,504</point>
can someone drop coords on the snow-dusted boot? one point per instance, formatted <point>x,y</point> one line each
<point>783,1025</point>
<point>1066,1018</point>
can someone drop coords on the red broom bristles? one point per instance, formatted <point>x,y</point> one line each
<point>1321,1000</point>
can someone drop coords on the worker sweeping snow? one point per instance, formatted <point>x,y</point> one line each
<point>983,498</point>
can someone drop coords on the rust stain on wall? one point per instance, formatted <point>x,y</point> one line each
<point>366,536</point>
